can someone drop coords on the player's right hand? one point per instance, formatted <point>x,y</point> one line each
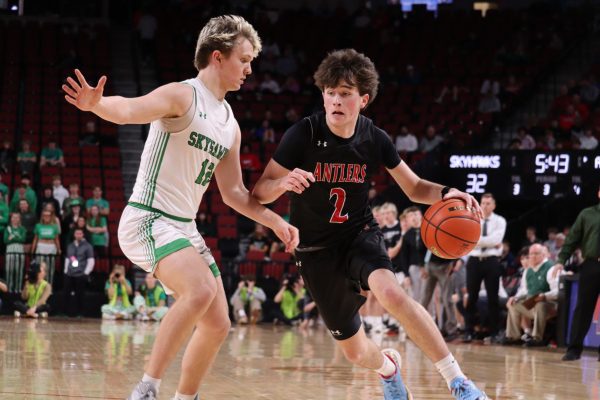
<point>296,181</point>
<point>81,94</point>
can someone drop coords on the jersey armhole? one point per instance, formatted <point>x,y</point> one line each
<point>178,124</point>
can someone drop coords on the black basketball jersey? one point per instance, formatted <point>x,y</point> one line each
<point>336,206</point>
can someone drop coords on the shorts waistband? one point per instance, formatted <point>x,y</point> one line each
<point>155,210</point>
<point>309,249</point>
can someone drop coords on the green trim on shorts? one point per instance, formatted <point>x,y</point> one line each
<point>155,210</point>
<point>170,248</point>
<point>214,269</point>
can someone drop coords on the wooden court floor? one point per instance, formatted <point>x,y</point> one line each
<point>92,359</point>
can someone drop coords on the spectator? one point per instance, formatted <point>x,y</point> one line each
<point>551,234</point>
<point>96,226</point>
<point>259,239</point>
<point>73,197</point>
<point>412,77</point>
<point>287,65</point>
<point>90,136</point>
<point>587,140</point>
<point>530,237</point>
<point>292,290</point>
<point>249,161</point>
<point>559,241</point>
<point>4,190</point>
<point>48,198</point>
<point>118,289</point>
<point>535,299</point>
<point>490,86</point>
<point>309,310</point>
<point>584,234</point>
<point>52,156</point>
<point>14,238</point>
<point>151,300</point>
<point>28,219</point>
<point>247,300</point>
<point>205,226</point>
<point>97,200</point>
<point>269,84</point>
<point>58,191</point>
<point>589,90</point>
<point>26,159</point>
<point>489,103</point>
<point>290,85</point>
<point>406,142</point>
<point>50,207</point>
<point>561,102</point>
<point>265,133</point>
<point>484,265</point>
<point>81,223</point>
<point>46,241</point>
<point>7,156</point>
<point>36,292</point>
<point>527,141</point>
<point>567,119</point>
<point>79,264</point>
<point>24,192</point>
<point>412,252</point>
<point>3,215</point>
<point>431,140</point>
<point>70,219</point>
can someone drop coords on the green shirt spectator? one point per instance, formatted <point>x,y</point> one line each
<point>52,155</point>
<point>97,200</point>
<point>24,193</point>
<point>14,234</point>
<point>26,159</point>
<point>46,231</point>
<point>4,215</point>
<point>97,237</point>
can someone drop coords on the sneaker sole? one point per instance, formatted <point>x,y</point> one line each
<point>398,360</point>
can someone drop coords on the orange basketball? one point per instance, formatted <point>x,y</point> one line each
<point>450,229</point>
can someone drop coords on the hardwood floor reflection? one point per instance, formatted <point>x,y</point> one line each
<point>92,359</point>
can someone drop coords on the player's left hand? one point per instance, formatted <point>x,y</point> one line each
<point>469,200</point>
<point>288,234</point>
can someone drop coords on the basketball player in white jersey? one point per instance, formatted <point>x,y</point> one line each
<point>193,134</point>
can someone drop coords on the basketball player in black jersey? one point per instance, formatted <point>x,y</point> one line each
<point>326,162</point>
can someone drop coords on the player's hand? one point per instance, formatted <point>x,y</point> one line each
<point>81,94</point>
<point>296,181</point>
<point>288,234</point>
<point>467,198</point>
<point>558,268</point>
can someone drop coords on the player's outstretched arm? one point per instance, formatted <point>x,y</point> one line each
<point>229,179</point>
<point>426,192</point>
<point>276,180</point>
<point>171,100</point>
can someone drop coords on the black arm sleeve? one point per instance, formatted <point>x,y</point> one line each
<point>290,152</point>
<point>389,156</point>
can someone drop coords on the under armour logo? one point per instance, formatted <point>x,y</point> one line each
<point>319,143</point>
<point>202,115</point>
<point>298,263</point>
<point>336,333</point>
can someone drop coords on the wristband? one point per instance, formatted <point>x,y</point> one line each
<point>445,191</point>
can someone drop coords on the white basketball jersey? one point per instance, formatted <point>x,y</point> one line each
<point>176,167</point>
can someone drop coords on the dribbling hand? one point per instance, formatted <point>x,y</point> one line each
<point>81,94</point>
<point>469,200</point>
<point>296,181</point>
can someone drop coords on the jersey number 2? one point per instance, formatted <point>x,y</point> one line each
<point>340,200</point>
<point>205,173</point>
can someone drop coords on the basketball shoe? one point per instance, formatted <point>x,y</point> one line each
<point>144,391</point>
<point>464,389</point>
<point>393,387</point>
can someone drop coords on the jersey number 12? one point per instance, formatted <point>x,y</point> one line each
<point>205,173</point>
<point>340,200</point>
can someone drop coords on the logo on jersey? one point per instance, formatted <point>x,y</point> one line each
<point>336,333</point>
<point>339,172</point>
<point>319,143</point>
<point>202,142</point>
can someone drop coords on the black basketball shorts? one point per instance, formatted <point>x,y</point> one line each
<point>334,276</point>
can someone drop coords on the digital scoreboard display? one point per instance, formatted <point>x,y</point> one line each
<point>525,174</point>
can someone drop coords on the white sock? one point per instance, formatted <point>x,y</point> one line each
<point>388,368</point>
<point>179,396</point>
<point>153,381</point>
<point>448,367</point>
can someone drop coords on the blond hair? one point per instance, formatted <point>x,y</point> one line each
<point>390,207</point>
<point>221,33</point>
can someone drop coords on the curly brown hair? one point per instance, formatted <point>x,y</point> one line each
<point>348,66</point>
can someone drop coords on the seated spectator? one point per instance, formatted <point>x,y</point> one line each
<point>73,197</point>
<point>530,237</point>
<point>7,156</point>
<point>48,198</point>
<point>431,140</point>
<point>46,241</point>
<point>58,191</point>
<point>567,119</point>
<point>24,192</point>
<point>90,136</point>
<point>247,300</point>
<point>96,226</point>
<point>489,103</point>
<point>589,91</point>
<point>79,264</point>
<point>310,312</point>
<point>265,133</point>
<point>35,294</point>
<point>406,142</point>
<point>151,300</point>
<point>205,226</point>
<point>536,299</point>
<point>512,87</point>
<point>580,107</point>
<point>456,93</point>
<point>14,239</point>
<point>291,85</point>
<point>118,289</point>
<point>52,156</point>
<point>490,86</point>
<point>249,161</point>
<point>26,159</point>
<point>97,200</point>
<point>28,220</point>
<point>291,292</point>
<point>527,141</point>
<point>412,77</point>
<point>587,140</point>
<point>269,84</point>
<point>259,239</point>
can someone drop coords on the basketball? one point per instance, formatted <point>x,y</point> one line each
<point>450,229</point>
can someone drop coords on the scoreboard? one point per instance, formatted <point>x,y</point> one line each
<point>525,174</point>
